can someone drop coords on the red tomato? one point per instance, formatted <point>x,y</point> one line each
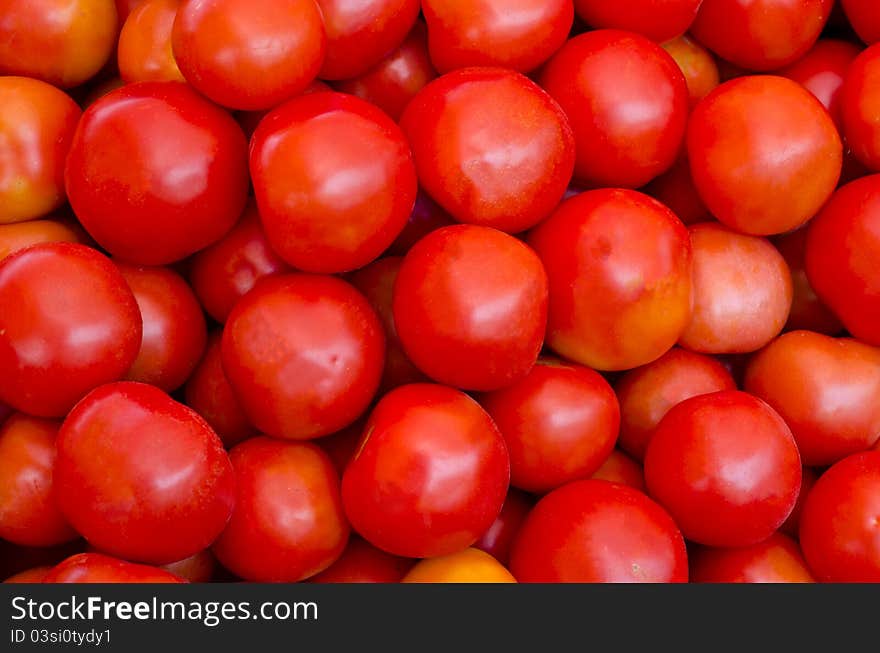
<point>449,467</point>
<point>343,445</point>
<point>125,7</point>
<point>860,107</point>
<point>68,323</point>
<point>777,559</point>
<point>99,568</point>
<point>760,34</point>
<point>518,35</point>
<point>470,307</point>
<point>250,120</point>
<point>620,468</point>
<point>675,188</point>
<point>659,20</point>
<point>474,156</point>
<point>839,534</point>
<point>734,141</point>
<point>560,423</point>
<point>17,236</point>
<point>62,42</point>
<point>598,532</point>
<point>696,63</point>
<point>647,393</point>
<point>32,575</point>
<point>361,562</point>
<point>144,52</point>
<point>863,16</point>
<point>155,191</point>
<point>141,476</point>
<point>303,354</point>
<point>726,467</point>
<point>288,522</point>
<point>426,217</point>
<point>334,181</point>
<point>498,539</point>
<point>636,121</point>
<point>843,246</point>
<point>792,524</point>
<point>29,514</point>
<point>361,32</point>
<point>619,266</point>
<point>198,568</point>
<point>37,123</point>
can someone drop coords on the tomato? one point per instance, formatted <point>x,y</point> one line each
<point>343,445</point>
<point>125,7</point>
<point>598,532</point>
<point>426,217</point>
<point>395,80</point>
<point>697,64</point>
<point>620,468</point>
<point>862,15</point>
<point>659,20</point>
<point>675,188</point>
<point>154,191</point>
<point>760,35</point>
<point>17,236</point>
<point>198,568</point>
<point>208,392</point>
<point>838,530</point>
<point>474,156</point>
<point>431,473</point>
<point>288,522</point>
<point>334,181</point>
<point>361,32</point>
<point>51,358</point>
<point>99,568</point>
<point>647,393</point>
<point>824,388</point>
<point>496,541</point>
<point>470,307</point>
<point>520,35</point>
<point>37,123</point>
<point>619,267</point>
<point>144,52</point>
<point>792,524</point>
<point>250,120</point>
<point>62,42</point>
<point>303,354</point>
<point>726,467</point>
<point>628,128</point>
<point>29,514</point>
<point>859,103</point>
<point>466,566</point>
<point>32,575</point>
<point>361,562</point>
<point>560,423</point>
<point>843,246</point>
<point>141,476</point>
<point>777,559</point>
<point>734,139</point>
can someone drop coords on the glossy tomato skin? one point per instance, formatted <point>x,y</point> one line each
<point>619,267</point>
<point>862,15</point>
<point>560,423</point>
<point>777,559</point>
<point>593,531</point>
<point>647,393</point>
<point>824,388</point>
<point>62,42</point>
<point>19,235</point>
<point>141,476</point>
<point>843,245</point>
<point>37,123</point>
<point>697,64</point>
<point>470,307</point>
<point>497,540</point>
<point>659,20</point>
<point>465,566</point>
<point>620,468</point>
<point>675,188</point>
<point>29,513</point>
<point>361,562</point>
<point>249,54</point>
<point>520,36</point>
<point>334,181</point>
<point>838,530</point>
<point>276,480</point>
<point>93,340</point>
<point>733,142</point>
<point>635,123</point>
<point>726,467</point>
<point>100,568</point>
<point>197,568</point>
<point>478,114</point>
<point>303,354</point>
<point>154,191</point>
<point>456,466</point>
<point>144,53</point>
<point>791,525</point>
<point>859,103</point>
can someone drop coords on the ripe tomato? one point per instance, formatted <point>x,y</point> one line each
<point>37,123</point>
<point>303,354</point>
<point>288,522</point>
<point>734,139</point>
<point>426,217</point>
<point>32,575</point>
<point>155,191</point>
<point>635,123</point>
<point>726,467</point>
<point>791,525</point>
<point>777,559</point>
<point>496,541</point>
<point>343,445</point>
<point>675,188</point>
<point>860,103</point>
<point>619,266</point>
<point>475,158</point>
<point>862,15</point>
<point>144,53</point>
<point>620,468</point>
<point>838,531</point>
<point>334,181</point>
<point>598,532</point>
<point>449,466</point>
<point>99,568</point>
<point>466,566</point>
<point>198,568</point>
<point>141,476</point>
<point>470,307</point>
<point>125,7</point>
<point>361,562</point>
<point>659,20</point>
<point>697,64</point>
<point>17,236</point>
<point>68,323</point>
<point>560,423</point>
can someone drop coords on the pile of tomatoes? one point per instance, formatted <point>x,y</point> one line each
<point>439,291</point>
